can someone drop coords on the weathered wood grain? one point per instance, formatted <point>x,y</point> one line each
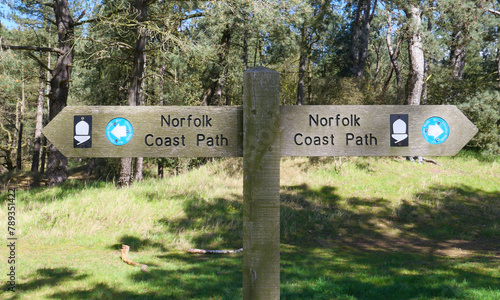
<point>261,185</point>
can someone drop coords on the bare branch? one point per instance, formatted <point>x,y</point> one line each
<point>80,16</point>
<point>31,48</point>
<point>192,16</point>
<point>495,12</point>
<point>9,137</point>
<point>41,63</point>
<point>99,18</point>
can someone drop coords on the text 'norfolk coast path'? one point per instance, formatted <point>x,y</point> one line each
<point>184,131</point>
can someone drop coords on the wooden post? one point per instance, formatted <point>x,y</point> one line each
<point>261,184</point>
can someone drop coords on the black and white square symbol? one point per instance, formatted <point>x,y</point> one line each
<point>82,132</point>
<point>399,130</point>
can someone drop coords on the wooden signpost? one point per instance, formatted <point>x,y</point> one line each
<point>154,131</point>
<point>374,130</point>
<point>261,131</point>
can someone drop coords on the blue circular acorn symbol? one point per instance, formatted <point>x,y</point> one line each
<point>119,131</point>
<point>435,130</point>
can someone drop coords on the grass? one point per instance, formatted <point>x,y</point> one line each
<point>351,228</point>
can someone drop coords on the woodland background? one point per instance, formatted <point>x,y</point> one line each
<point>153,52</point>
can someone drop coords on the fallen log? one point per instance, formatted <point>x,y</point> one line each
<point>203,251</point>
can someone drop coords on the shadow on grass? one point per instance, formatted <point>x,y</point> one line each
<point>442,216</point>
<point>215,223</point>
<point>375,249</point>
<point>46,277</point>
<point>455,212</point>
<point>104,291</point>
<point>137,244</point>
<point>199,277</point>
<point>338,273</point>
<point>57,193</point>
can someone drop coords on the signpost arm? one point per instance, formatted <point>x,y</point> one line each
<point>261,184</point>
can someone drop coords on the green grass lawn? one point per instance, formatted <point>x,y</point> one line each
<point>351,228</point>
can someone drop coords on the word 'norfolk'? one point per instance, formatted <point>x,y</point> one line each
<point>204,121</point>
<point>338,120</point>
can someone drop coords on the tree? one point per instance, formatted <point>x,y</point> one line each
<point>213,92</point>
<point>364,13</point>
<point>393,54</point>
<point>37,143</point>
<point>497,14</point>
<point>135,90</point>
<point>57,163</point>
<point>18,93</point>
<point>311,24</point>
<point>61,73</point>
<point>415,81</point>
<point>223,20</point>
<point>125,34</point>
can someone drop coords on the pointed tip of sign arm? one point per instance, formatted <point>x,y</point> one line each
<point>56,130</point>
<point>467,129</point>
<point>468,125</point>
<point>50,130</point>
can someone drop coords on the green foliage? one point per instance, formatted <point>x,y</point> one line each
<point>18,79</point>
<point>484,111</point>
<point>186,52</point>
<point>338,91</point>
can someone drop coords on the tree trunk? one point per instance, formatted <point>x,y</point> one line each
<point>393,54</point>
<point>8,160</point>
<point>213,93</point>
<point>125,172</point>
<point>44,153</point>
<point>361,35</point>
<point>309,81</point>
<point>425,85</point>
<point>377,64</point>
<point>20,129</point>
<point>301,83</point>
<point>356,32</point>
<point>90,167</point>
<point>365,35</point>
<point>39,122</point>
<point>498,66</point>
<point>415,81</point>
<point>302,66</point>
<point>135,91</point>
<point>161,161</point>
<point>139,164</point>
<point>245,48</point>
<point>457,55</point>
<point>160,168</point>
<point>47,117</point>
<point>257,50</point>
<point>427,68</point>
<point>57,164</point>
